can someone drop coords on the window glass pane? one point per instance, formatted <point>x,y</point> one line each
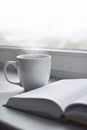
<point>44,23</point>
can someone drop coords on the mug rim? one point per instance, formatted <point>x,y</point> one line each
<point>33,56</point>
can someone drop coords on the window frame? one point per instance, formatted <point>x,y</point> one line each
<point>65,63</point>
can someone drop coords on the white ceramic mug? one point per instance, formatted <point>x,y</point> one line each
<point>33,70</point>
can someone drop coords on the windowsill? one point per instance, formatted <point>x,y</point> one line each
<point>65,63</point>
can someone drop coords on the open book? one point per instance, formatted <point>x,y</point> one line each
<point>65,98</point>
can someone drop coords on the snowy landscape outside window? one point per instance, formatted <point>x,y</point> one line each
<point>57,24</point>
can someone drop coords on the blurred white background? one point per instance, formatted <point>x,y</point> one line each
<point>44,23</point>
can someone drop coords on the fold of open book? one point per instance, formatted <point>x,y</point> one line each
<point>66,98</point>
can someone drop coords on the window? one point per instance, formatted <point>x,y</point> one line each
<point>44,23</point>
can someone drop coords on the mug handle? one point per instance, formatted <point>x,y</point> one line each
<point>14,63</point>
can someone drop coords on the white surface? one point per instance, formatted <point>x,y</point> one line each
<point>26,121</point>
<point>7,90</point>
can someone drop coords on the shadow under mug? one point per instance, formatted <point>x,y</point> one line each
<point>33,70</point>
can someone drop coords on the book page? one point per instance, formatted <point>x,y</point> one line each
<point>77,111</point>
<point>82,100</point>
<point>61,92</point>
